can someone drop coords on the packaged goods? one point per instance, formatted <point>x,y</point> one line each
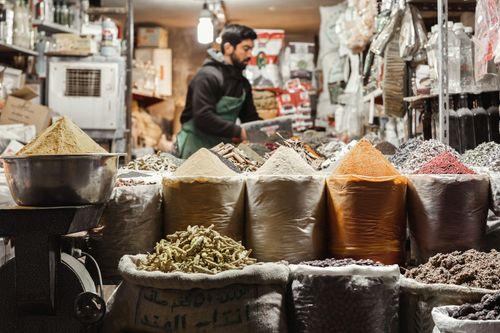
<point>470,268</point>
<point>263,71</point>
<point>352,298</point>
<point>366,207</point>
<point>131,223</point>
<point>203,163</point>
<point>246,300</point>
<point>62,138</point>
<point>365,160</point>
<point>285,216</point>
<point>442,208</point>
<point>237,157</point>
<point>393,82</point>
<point>444,163</point>
<point>161,162</point>
<point>414,153</point>
<point>285,161</point>
<point>197,250</point>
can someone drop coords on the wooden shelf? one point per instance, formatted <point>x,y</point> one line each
<point>67,54</point>
<point>54,28</point>
<point>147,97</point>
<point>107,11</point>
<point>8,48</point>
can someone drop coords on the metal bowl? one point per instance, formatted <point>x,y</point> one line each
<point>61,180</point>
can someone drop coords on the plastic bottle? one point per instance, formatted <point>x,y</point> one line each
<point>42,46</point>
<point>21,25</point>
<point>453,61</point>
<point>466,125</point>
<point>494,118</point>
<point>481,121</point>
<point>466,64</point>
<point>454,126</point>
<point>65,14</point>
<point>7,25</point>
<point>431,48</point>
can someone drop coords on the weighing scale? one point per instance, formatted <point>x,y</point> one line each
<point>41,288</point>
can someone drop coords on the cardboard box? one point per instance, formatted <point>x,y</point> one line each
<point>152,37</point>
<point>21,111</point>
<point>162,61</point>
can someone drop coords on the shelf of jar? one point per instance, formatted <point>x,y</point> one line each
<point>13,49</point>
<point>53,28</point>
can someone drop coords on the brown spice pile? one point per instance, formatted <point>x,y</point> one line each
<point>62,138</point>
<point>470,268</point>
<point>365,160</point>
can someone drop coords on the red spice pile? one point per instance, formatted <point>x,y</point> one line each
<point>444,163</point>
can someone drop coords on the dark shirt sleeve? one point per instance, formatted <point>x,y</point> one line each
<point>248,111</point>
<point>205,88</point>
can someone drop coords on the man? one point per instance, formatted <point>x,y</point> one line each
<point>219,94</point>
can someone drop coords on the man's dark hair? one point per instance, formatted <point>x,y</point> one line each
<point>235,34</point>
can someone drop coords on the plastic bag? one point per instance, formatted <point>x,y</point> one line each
<point>393,85</point>
<point>418,299</point>
<point>263,71</point>
<point>286,217</point>
<point>344,299</point>
<point>328,38</point>
<point>204,201</point>
<point>242,300</point>
<point>408,42</point>
<point>131,223</point>
<point>367,217</point>
<point>442,208</point>
<point>382,39</point>
<point>446,324</point>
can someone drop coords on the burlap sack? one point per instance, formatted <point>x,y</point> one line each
<point>249,300</point>
<point>443,208</point>
<point>131,223</point>
<point>343,299</point>
<point>367,217</point>
<point>286,217</point>
<point>205,201</point>
<point>446,324</point>
<point>418,299</point>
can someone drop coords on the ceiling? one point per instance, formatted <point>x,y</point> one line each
<point>297,16</point>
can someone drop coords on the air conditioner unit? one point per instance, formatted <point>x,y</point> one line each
<point>90,91</point>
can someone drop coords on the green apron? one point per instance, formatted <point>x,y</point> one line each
<point>190,139</point>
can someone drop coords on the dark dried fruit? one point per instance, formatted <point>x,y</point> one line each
<point>488,309</point>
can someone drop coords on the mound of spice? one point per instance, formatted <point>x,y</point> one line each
<point>155,162</point>
<point>204,163</point>
<point>386,148</point>
<point>285,161</point>
<point>444,163</point>
<point>470,268</point>
<point>413,154</point>
<point>330,262</point>
<point>62,138</point>
<point>236,156</point>
<point>486,155</point>
<point>197,250</point>
<point>487,309</point>
<point>365,160</point>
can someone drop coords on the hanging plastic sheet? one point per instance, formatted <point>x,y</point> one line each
<point>367,217</point>
<point>382,39</point>
<point>443,208</point>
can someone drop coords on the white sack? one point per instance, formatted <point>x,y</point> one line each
<point>447,324</point>
<point>286,217</point>
<point>249,300</point>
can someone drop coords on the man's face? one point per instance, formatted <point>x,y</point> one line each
<point>242,53</point>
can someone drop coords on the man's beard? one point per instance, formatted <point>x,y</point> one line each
<point>238,64</point>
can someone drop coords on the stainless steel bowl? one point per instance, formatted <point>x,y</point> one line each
<point>61,180</point>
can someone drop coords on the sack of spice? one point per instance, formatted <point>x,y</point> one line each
<point>443,208</point>
<point>446,279</point>
<point>130,223</point>
<point>285,207</point>
<point>204,191</point>
<point>346,297</point>
<point>366,207</point>
<point>482,317</point>
<point>160,292</point>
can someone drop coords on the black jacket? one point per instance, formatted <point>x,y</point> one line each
<point>213,81</point>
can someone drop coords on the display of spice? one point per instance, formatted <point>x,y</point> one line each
<point>285,161</point>
<point>330,262</point>
<point>487,309</point>
<point>330,162</point>
<point>197,250</point>
<point>311,156</point>
<point>204,163</point>
<point>386,148</point>
<point>365,160</point>
<point>470,268</point>
<point>62,138</point>
<point>156,162</point>
<point>444,163</point>
<point>236,157</point>
<point>413,154</point>
<point>486,155</point>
